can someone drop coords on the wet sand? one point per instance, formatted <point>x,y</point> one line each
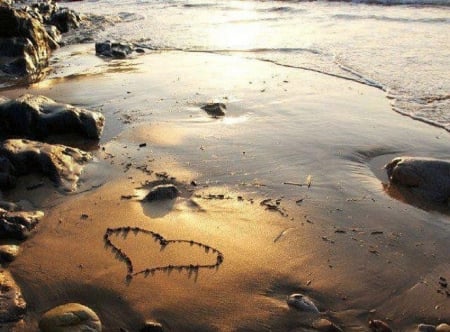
<point>359,253</point>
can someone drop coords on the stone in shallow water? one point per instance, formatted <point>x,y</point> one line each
<point>73,317</point>
<point>428,177</point>
<point>215,109</point>
<point>62,164</point>
<point>116,50</point>
<point>32,117</point>
<point>162,192</point>
<point>12,304</point>
<point>302,303</point>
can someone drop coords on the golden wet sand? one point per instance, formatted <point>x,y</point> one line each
<point>341,240</point>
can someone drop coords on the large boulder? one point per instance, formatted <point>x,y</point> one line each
<point>429,178</point>
<point>70,317</point>
<point>37,117</point>
<point>17,225</point>
<point>12,304</point>
<point>24,43</point>
<point>62,164</point>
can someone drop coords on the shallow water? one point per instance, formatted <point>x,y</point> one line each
<point>403,50</point>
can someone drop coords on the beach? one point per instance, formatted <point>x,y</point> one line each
<point>288,187</point>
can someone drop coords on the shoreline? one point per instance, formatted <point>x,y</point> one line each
<point>268,137</point>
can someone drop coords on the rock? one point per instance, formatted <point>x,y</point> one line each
<point>9,252</point>
<point>426,328</point>
<point>162,192</point>
<point>62,164</point>
<point>324,325</point>
<point>116,50</point>
<point>64,19</point>
<point>379,326</point>
<point>12,304</point>
<point>302,303</point>
<point>34,117</point>
<point>443,328</point>
<point>425,176</point>
<point>151,326</point>
<point>71,317</point>
<point>24,43</point>
<point>17,225</point>
<point>215,109</point>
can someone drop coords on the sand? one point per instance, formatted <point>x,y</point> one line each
<point>358,252</point>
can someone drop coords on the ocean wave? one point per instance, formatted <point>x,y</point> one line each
<point>445,3</point>
<point>392,19</point>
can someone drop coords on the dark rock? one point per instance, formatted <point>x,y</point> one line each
<point>324,325</point>
<point>426,328</point>
<point>215,109</point>
<point>376,325</point>
<point>17,225</point>
<point>12,304</point>
<point>38,117</point>
<point>162,192</point>
<point>70,317</point>
<point>9,252</point>
<point>24,42</point>
<point>427,177</point>
<point>151,326</point>
<point>65,19</point>
<point>302,303</point>
<point>62,164</point>
<point>115,50</point>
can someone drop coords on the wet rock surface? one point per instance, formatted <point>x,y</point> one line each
<point>324,325</point>
<point>429,178</point>
<point>444,327</point>
<point>12,304</point>
<point>110,49</point>
<point>302,303</point>
<point>376,325</point>
<point>215,109</point>
<point>162,192</point>
<point>17,225</point>
<point>62,164</point>
<point>70,317</point>
<point>37,117</point>
<point>8,252</point>
<point>27,36</point>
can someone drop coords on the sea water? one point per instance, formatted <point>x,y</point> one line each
<point>399,46</point>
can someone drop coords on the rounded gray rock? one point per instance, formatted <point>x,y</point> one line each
<point>426,328</point>
<point>302,303</point>
<point>70,317</point>
<point>162,192</point>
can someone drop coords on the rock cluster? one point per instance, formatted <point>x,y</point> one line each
<point>117,50</point>
<point>12,304</point>
<point>27,36</point>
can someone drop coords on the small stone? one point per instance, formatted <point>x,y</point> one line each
<point>12,304</point>
<point>162,192</point>
<point>426,328</point>
<point>324,325</point>
<point>302,303</point>
<point>379,326</point>
<point>9,252</point>
<point>444,327</point>
<point>70,317</point>
<point>151,326</point>
<point>215,109</point>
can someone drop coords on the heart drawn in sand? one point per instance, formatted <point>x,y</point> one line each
<point>163,243</point>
